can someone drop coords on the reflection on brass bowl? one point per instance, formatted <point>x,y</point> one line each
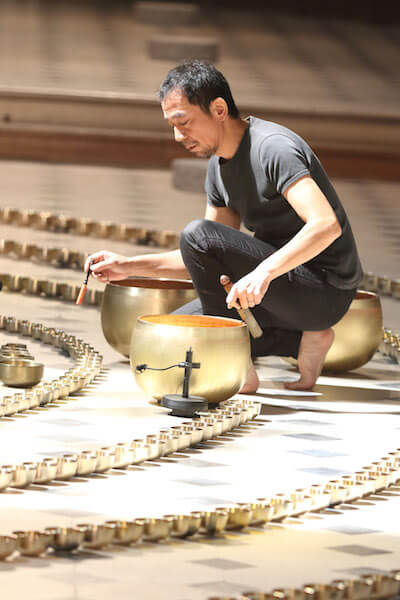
<point>220,345</point>
<point>357,335</point>
<point>20,373</point>
<point>124,301</point>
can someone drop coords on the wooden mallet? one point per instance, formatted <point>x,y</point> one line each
<point>83,289</point>
<point>244,313</point>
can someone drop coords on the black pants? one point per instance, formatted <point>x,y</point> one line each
<point>297,301</point>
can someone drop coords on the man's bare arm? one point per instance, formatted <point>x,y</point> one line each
<point>224,215</point>
<point>320,229</point>
<point>109,266</point>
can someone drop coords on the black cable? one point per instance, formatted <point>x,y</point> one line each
<point>144,367</point>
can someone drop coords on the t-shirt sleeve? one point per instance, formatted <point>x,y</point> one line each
<point>214,197</point>
<point>283,161</point>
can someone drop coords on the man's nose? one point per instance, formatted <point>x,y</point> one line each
<point>179,137</point>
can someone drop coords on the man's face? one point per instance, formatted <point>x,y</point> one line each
<point>198,131</point>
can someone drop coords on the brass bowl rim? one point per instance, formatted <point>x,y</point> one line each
<point>238,323</point>
<point>21,363</point>
<point>365,295</point>
<point>162,283</point>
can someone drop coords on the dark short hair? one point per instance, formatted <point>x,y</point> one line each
<point>201,83</point>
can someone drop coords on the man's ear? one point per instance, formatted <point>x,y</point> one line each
<point>219,109</point>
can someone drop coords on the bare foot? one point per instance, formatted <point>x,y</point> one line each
<point>252,382</point>
<point>314,347</point>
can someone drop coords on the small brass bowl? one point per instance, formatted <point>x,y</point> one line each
<point>124,301</point>
<point>261,511</point>
<point>140,450</point>
<point>195,522</point>
<point>127,532</point>
<point>22,475</point>
<point>33,543</point>
<point>8,545</point>
<point>65,539</point>
<point>208,430</point>
<point>180,525</point>
<point>21,373</point>
<point>171,442</point>
<point>87,461</point>
<point>157,529</point>
<point>67,466</point>
<point>239,516</point>
<point>123,455</point>
<point>46,470</point>
<point>214,521</point>
<point>220,345</point>
<point>97,536</point>
<point>105,459</point>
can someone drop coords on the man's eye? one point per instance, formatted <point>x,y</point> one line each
<point>183,124</point>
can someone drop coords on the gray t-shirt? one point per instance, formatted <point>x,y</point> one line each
<point>268,160</point>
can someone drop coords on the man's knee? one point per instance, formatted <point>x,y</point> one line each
<point>196,230</point>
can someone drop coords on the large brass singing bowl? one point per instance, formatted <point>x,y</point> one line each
<point>124,301</point>
<point>357,335</point>
<point>220,345</point>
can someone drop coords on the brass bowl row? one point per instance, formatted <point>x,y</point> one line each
<point>371,479</point>
<point>59,257</point>
<point>390,345</point>
<point>96,536</point>
<point>123,454</point>
<point>49,289</point>
<point>381,285</point>
<point>377,586</point>
<point>87,366</point>
<point>87,227</point>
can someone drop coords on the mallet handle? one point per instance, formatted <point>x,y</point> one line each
<point>245,313</point>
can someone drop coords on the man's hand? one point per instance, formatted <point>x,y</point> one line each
<point>249,290</point>
<point>108,266</point>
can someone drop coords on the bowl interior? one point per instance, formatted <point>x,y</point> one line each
<point>191,321</point>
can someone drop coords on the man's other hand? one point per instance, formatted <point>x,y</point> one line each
<point>249,290</point>
<point>108,266</point>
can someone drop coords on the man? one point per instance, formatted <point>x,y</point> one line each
<point>300,270</point>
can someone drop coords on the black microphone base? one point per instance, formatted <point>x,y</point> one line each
<point>184,407</point>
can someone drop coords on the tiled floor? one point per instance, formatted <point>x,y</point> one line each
<point>287,62</point>
<point>299,439</point>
